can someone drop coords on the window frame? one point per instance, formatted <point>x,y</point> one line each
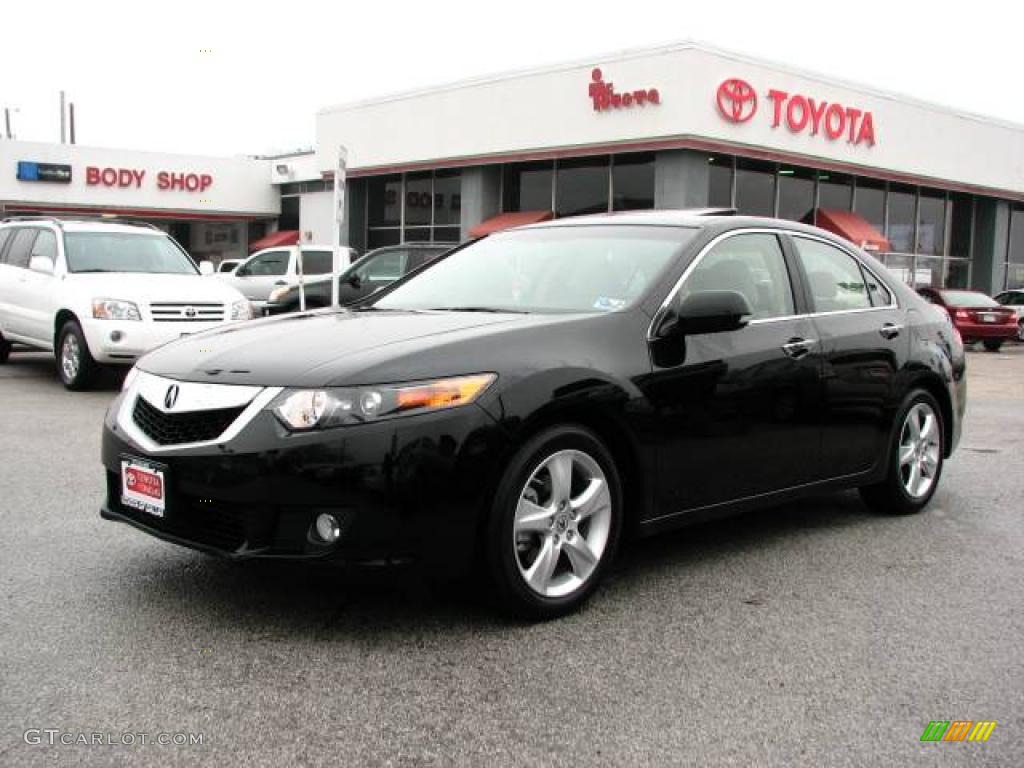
<point>865,270</point>
<point>33,234</point>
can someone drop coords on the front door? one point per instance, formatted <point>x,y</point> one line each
<point>738,412</point>
<point>262,273</point>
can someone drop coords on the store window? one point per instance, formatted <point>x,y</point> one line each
<point>720,174</point>
<point>931,222</point>
<point>1015,250</point>
<point>901,218</point>
<point>581,186</point>
<point>869,202</point>
<point>835,191</point>
<point>633,182</point>
<point>529,186</point>
<point>961,225</point>
<point>796,194</point>
<point>417,207</point>
<point>755,188</point>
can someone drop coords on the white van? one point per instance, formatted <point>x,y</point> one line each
<point>102,293</point>
<point>274,268</point>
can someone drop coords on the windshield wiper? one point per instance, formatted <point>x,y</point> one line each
<point>495,310</point>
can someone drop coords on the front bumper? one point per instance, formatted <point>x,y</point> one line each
<point>134,338</point>
<point>404,489</point>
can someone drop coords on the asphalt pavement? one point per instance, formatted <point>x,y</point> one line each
<point>813,634</point>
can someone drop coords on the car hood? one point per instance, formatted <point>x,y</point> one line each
<point>143,288</point>
<point>339,347</point>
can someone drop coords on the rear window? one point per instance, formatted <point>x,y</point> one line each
<point>3,241</point>
<point>968,299</point>
<point>20,247</point>
<point>317,262</point>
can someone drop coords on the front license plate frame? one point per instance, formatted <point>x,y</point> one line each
<point>144,485</point>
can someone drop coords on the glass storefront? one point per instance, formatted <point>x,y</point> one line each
<point>414,207</point>
<point>582,185</point>
<point>1015,249</point>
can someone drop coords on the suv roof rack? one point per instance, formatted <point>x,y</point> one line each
<point>59,220</point>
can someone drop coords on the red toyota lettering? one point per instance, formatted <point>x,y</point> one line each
<point>867,130</point>
<point>778,98</point>
<point>835,121</point>
<point>796,119</point>
<point>817,110</point>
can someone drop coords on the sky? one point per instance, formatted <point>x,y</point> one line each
<point>231,78</point>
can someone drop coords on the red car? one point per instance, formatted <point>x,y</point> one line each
<point>976,316</point>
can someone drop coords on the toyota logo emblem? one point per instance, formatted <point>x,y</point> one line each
<point>171,397</point>
<point>737,100</point>
<point>188,312</point>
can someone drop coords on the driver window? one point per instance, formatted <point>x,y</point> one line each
<point>45,245</point>
<point>270,264</point>
<point>386,267</point>
<point>751,265</point>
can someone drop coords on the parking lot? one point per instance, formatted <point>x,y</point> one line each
<point>812,634</point>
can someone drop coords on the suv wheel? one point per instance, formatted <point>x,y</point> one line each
<point>915,459</point>
<point>555,523</point>
<point>75,365</point>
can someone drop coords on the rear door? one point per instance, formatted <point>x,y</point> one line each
<point>35,291</point>
<point>865,342</point>
<point>15,300</point>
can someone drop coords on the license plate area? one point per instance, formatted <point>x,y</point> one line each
<point>988,318</point>
<point>144,485</point>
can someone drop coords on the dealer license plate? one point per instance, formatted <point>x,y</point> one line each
<point>144,486</point>
<point>988,317</point>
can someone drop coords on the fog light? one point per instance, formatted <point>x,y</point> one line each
<point>327,528</point>
<point>116,336</point>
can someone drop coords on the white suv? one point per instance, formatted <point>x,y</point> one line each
<point>98,292</point>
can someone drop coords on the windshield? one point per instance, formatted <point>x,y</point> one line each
<point>563,269</point>
<point>968,299</point>
<point>125,252</point>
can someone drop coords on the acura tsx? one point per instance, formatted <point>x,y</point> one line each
<point>527,400</point>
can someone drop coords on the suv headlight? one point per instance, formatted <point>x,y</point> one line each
<point>241,310</point>
<point>306,409</point>
<point>115,309</point>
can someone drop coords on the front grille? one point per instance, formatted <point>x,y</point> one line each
<point>186,312</point>
<point>176,428</point>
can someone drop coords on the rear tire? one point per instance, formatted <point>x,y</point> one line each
<point>1020,331</point>
<point>915,459</point>
<point>75,366</point>
<point>554,524</point>
<point>5,349</point>
<point>993,345</point>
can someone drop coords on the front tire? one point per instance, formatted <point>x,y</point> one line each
<point>993,345</point>
<point>915,459</point>
<point>75,366</point>
<point>555,523</point>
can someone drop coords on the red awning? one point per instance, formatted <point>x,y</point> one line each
<point>509,220</point>
<point>275,240</point>
<point>854,228</point>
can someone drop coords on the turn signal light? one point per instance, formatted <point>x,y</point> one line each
<point>443,394</point>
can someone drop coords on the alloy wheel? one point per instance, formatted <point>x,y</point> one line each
<point>562,523</point>
<point>70,357</point>
<point>919,450</point>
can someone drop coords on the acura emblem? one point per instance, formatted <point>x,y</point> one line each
<point>171,397</point>
<point>188,312</point>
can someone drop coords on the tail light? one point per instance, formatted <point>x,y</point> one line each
<point>962,314</point>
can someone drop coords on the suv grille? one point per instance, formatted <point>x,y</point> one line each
<point>186,312</point>
<point>176,428</point>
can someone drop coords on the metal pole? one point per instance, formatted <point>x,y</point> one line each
<point>71,121</point>
<point>302,282</point>
<point>7,121</point>
<point>340,173</point>
<point>63,120</point>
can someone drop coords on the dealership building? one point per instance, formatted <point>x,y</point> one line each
<point>937,194</point>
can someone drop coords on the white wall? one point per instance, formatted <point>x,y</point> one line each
<point>316,211</point>
<point>551,110</point>
<point>239,185</point>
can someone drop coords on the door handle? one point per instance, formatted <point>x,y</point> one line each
<point>890,330</point>
<point>798,347</point>
<point>280,282</point>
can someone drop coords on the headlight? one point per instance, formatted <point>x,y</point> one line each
<point>277,293</point>
<point>115,309</point>
<point>241,310</point>
<point>318,408</point>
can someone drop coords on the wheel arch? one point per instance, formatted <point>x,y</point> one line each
<point>59,320</point>
<point>933,385</point>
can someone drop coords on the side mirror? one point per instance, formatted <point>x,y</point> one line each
<point>355,281</point>
<point>42,264</point>
<point>206,268</point>
<point>708,312</point>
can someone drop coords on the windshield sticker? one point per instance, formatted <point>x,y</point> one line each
<point>608,305</point>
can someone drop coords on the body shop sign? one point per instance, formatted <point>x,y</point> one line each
<point>133,178</point>
<point>737,102</point>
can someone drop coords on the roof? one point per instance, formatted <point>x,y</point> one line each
<point>84,225</point>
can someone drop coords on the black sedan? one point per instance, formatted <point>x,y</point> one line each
<point>527,400</point>
<point>367,275</point>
